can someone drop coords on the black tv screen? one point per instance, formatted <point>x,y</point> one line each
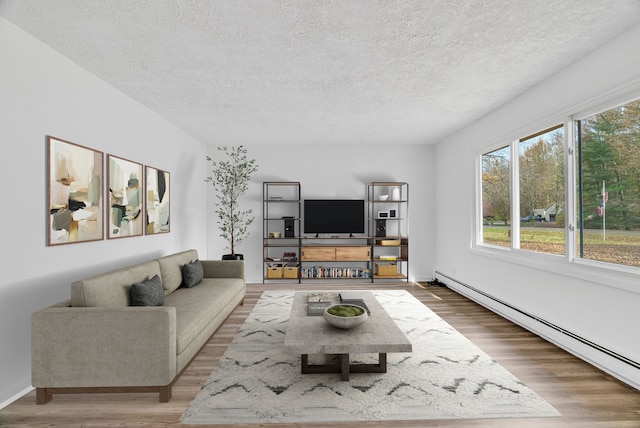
<point>334,216</point>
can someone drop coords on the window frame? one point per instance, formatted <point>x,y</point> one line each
<point>479,218</point>
<point>516,186</point>
<point>570,263</point>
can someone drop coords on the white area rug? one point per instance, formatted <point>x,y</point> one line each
<point>446,376</point>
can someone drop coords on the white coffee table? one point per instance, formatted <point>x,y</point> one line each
<point>313,335</point>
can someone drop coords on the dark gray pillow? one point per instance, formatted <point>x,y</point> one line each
<point>147,293</point>
<point>192,274</point>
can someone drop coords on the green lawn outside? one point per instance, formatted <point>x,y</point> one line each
<point>616,246</point>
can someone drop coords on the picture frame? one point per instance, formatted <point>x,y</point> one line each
<point>125,211</point>
<point>158,201</point>
<point>75,193</point>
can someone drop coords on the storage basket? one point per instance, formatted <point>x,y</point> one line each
<point>274,272</point>
<point>290,272</point>
<point>386,270</point>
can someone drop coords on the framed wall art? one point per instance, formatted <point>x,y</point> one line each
<point>125,210</point>
<point>158,201</point>
<point>75,191</point>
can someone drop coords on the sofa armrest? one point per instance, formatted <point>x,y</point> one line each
<point>103,347</point>
<point>223,268</point>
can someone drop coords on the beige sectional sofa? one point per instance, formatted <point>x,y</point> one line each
<point>98,342</point>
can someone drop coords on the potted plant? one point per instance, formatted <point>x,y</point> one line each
<point>230,179</point>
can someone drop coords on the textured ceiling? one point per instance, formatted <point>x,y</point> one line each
<point>322,71</point>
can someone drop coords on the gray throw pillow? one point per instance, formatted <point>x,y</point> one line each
<point>192,274</point>
<point>147,293</point>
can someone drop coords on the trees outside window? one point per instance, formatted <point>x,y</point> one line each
<point>496,200</point>
<point>605,199</point>
<point>608,190</point>
<point>541,179</point>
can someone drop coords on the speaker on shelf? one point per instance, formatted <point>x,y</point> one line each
<point>289,227</point>
<point>381,228</point>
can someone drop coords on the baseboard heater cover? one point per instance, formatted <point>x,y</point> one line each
<point>555,327</point>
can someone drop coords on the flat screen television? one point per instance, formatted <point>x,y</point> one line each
<point>334,216</point>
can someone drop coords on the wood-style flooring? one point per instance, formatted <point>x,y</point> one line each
<point>586,396</point>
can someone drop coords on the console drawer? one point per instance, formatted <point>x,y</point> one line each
<point>318,253</point>
<point>353,253</point>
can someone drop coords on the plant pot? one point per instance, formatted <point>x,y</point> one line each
<point>232,257</point>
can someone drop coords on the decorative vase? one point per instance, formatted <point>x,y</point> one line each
<point>232,257</point>
<point>395,194</point>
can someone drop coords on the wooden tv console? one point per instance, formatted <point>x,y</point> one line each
<point>335,253</point>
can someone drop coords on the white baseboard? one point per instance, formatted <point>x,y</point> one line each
<point>623,369</point>
<point>21,394</point>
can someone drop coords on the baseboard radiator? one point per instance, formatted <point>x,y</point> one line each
<point>440,276</point>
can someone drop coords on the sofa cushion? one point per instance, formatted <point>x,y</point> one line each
<point>197,307</point>
<point>147,293</point>
<point>192,274</point>
<point>171,269</point>
<point>111,289</point>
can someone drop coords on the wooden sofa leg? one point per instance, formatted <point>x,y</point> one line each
<point>165,393</point>
<point>43,395</point>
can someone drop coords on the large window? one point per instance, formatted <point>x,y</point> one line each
<point>608,190</point>
<point>604,204</point>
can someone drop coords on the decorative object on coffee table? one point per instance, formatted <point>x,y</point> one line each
<point>345,315</point>
<point>318,302</point>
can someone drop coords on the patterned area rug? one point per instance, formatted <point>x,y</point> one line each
<point>445,377</point>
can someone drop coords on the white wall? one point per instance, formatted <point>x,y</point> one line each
<point>340,172</point>
<point>43,93</point>
<point>598,305</point>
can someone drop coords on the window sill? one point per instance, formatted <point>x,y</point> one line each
<point>607,274</point>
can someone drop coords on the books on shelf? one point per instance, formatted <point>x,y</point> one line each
<point>335,272</point>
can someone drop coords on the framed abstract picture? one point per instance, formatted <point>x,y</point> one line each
<point>125,211</point>
<point>158,201</point>
<point>75,193</point>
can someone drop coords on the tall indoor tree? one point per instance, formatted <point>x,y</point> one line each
<point>230,179</point>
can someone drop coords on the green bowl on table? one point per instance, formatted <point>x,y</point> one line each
<point>345,315</point>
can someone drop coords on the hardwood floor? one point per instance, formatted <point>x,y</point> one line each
<point>586,396</point>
